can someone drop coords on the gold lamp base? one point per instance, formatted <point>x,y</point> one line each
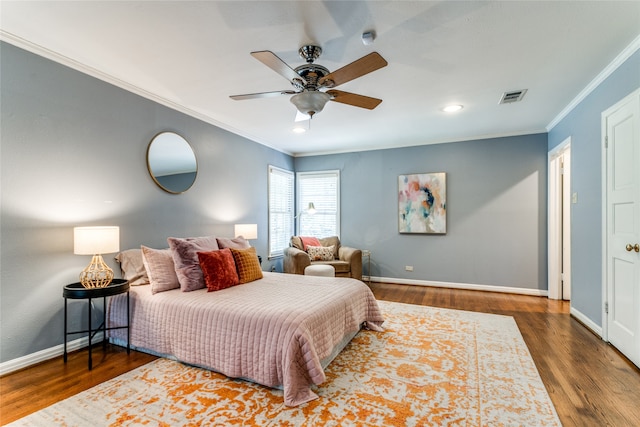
<point>97,274</point>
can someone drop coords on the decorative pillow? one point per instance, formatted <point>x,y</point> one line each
<point>185,257</point>
<point>320,253</point>
<point>331,240</point>
<point>237,243</point>
<point>247,264</point>
<point>219,269</point>
<point>160,269</point>
<point>132,267</point>
<point>309,241</point>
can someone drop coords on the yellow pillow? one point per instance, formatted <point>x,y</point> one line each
<point>247,264</point>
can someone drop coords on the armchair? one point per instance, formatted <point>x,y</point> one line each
<point>347,261</point>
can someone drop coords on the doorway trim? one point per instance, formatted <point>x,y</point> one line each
<point>556,221</point>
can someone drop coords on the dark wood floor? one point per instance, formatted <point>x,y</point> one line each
<point>589,382</point>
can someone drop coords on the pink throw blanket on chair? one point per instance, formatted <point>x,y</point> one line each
<point>309,241</point>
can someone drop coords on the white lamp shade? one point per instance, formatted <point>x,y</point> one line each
<point>311,209</point>
<point>248,231</point>
<point>96,240</point>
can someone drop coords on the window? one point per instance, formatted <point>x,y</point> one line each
<point>323,190</point>
<point>280,210</point>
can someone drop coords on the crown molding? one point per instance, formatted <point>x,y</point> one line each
<point>93,72</point>
<point>609,69</point>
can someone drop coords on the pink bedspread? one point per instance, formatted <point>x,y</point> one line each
<point>274,331</point>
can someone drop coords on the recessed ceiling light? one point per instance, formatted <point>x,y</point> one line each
<point>299,129</point>
<point>452,108</point>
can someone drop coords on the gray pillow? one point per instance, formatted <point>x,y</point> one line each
<point>132,267</point>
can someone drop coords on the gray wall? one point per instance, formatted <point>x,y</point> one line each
<point>583,125</point>
<point>496,210</point>
<point>73,153</point>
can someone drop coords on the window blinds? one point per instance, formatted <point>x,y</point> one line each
<point>321,188</point>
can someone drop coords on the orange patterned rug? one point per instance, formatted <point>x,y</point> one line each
<point>430,367</point>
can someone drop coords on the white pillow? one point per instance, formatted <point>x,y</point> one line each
<point>320,253</point>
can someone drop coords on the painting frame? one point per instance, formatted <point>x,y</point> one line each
<point>422,203</point>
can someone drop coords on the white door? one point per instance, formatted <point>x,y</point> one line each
<point>559,217</point>
<point>622,142</point>
<point>566,224</point>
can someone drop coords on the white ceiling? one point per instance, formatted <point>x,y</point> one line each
<point>192,55</point>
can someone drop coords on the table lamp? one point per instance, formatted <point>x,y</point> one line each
<point>96,241</point>
<point>248,231</point>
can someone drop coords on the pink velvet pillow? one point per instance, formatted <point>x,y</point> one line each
<point>219,269</point>
<point>185,257</point>
<point>158,264</point>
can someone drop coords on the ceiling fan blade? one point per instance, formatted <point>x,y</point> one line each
<point>354,99</point>
<point>272,61</point>
<point>357,68</point>
<point>262,95</point>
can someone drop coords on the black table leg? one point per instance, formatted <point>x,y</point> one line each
<point>65,330</point>
<point>90,364</point>
<point>104,323</point>
<point>128,326</point>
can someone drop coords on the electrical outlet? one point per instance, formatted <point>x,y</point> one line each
<point>408,267</point>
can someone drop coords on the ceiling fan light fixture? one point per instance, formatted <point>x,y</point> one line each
<point>310,102</point>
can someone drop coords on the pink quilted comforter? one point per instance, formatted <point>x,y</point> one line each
<point>274,331</point>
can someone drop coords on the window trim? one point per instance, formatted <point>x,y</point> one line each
<point>288,233</point>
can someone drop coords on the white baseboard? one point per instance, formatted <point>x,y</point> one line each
<point>46,354</point>
<point>466,286</point>
<point>588,323</point>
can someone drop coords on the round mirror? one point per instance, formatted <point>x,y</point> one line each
<point>171,162</point>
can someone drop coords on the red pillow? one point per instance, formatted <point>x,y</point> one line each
<point>218,269</point>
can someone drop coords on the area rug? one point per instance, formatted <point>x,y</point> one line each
<point>430,367</point>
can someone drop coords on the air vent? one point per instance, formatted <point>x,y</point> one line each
<point>512,96</point>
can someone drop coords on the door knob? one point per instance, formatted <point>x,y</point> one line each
<point>630,248</point>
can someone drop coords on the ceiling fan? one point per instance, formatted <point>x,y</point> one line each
<point>313,84</point>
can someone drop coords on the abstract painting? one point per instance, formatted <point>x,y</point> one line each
<point>422,203</point>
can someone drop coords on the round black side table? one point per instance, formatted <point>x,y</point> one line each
<point>77,291</point>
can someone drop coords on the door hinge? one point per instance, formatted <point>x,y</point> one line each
<point>606,308</point>
<point>606,142</point>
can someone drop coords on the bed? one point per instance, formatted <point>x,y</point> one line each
<point>279,331</point>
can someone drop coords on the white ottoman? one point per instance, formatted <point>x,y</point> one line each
<point>320,270</point>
